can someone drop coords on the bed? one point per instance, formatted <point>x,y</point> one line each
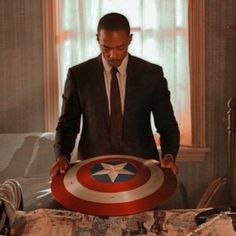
<point>28,208</point>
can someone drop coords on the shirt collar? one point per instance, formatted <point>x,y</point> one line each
<point>122,68</point>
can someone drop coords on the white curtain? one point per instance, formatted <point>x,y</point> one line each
<point>160,35</point>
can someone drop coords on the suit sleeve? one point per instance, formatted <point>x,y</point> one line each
<point>164,118</point>
<point>69,121</point>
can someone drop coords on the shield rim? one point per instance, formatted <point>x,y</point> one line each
<point>115,209</point>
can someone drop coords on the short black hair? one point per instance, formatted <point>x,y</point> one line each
<point>113,21</point>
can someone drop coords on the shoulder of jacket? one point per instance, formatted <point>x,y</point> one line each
<point>84,66</point>
<point>144,64</point>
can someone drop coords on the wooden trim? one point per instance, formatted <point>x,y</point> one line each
<point>232,146</point>
<point>191,154</point>
<point>197,71</point>
<point>50,63</point>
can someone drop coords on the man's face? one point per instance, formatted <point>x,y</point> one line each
<point>114,45</point>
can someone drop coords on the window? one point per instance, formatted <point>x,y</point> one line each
<point>162,39</point>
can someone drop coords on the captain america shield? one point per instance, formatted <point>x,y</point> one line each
<point>113,185</point>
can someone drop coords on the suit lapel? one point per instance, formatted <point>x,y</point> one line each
<point>130,86</point>
<point>100,90</point>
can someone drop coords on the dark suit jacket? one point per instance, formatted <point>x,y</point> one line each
<point>85,97</point>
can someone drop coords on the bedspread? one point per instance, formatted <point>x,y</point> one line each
<point>44,222</point>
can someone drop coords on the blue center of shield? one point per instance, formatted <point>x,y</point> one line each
<point>113,171</point>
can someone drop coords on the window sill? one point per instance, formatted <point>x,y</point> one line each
<point>192,154</point>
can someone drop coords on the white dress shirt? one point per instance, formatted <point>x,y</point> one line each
<point>121,76</point>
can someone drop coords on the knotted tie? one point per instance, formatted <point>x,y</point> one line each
<point>116,118</point>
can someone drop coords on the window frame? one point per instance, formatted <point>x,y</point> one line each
<point>196,24</point>
<point>50,63</point>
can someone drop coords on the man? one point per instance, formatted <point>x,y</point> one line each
<point>89,94</point>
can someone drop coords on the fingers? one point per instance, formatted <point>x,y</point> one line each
<point>60,167</point>
<point>169,164</point>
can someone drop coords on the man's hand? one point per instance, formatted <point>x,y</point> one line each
<point>168,162</point>
<point>60,166</point>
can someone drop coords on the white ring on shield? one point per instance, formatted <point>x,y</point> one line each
<point>75,188</point>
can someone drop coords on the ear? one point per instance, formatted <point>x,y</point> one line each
<point>130,38</point>
<point>97,36</point>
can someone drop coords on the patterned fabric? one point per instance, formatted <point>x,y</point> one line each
<point>10,201</point>
<point>44,222</point>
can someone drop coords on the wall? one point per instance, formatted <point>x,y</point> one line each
<point>21,66</point>
<point>21,81</point>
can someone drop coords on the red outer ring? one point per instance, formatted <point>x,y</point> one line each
<point>115,209</point>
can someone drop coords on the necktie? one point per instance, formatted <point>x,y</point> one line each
<point>116,118</point>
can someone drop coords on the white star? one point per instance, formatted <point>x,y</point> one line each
<point>113,170</point>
